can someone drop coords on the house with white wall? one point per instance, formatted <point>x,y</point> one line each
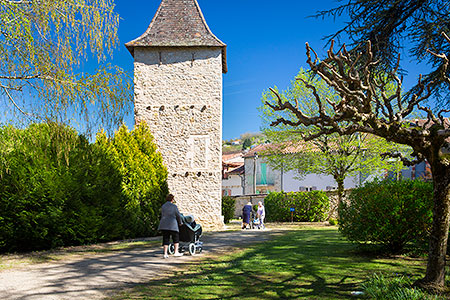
<point>232,174</point>
<point>262,178</point>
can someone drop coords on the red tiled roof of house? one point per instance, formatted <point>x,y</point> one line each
<point>229,156</point>
<point>178,23</point>
<point>237,170</point>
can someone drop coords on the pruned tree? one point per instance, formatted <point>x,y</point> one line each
<point>364,106</point>
<point>340,156</point>
<point>412,26</point>
<point>44,47</point>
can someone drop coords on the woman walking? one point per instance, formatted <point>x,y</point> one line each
<point>246,212</point>
<point>261,214</point>
<point>170,221</point>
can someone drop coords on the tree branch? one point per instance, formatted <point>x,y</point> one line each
<point>404,160</point>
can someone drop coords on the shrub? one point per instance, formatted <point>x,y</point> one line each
<point>144,177</point>
<point>391,213</point>
<point>309,206</point>
<point>228,208</point>
<point>395,288</point>
<point>333,221</point>
<point>50,194</point>
<point>57,189</point>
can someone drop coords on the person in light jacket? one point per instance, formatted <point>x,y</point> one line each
<point>261,213</point>
<point>170,221</point>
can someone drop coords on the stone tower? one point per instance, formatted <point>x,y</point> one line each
<point>178,66</point>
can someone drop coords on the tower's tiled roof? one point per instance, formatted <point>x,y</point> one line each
<point>178,23</point>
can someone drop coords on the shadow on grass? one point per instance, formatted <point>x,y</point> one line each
<point>303,264</point>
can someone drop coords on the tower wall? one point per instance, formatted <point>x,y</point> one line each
<point>178,92</point>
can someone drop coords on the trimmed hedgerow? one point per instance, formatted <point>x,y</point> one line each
<point>228,207</point>
<point>57,189</point>
<point>309,206</point>
<point>390,213</point>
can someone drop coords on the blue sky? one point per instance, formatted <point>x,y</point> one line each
<point>266,47</point>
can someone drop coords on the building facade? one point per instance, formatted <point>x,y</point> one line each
<point>178,67</point>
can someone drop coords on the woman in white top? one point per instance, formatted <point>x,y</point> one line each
<point>261,213</point>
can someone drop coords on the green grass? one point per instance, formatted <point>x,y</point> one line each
<point>309,263</point>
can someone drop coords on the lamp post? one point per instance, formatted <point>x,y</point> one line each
<point>255,158</point>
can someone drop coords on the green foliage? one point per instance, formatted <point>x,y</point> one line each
<point>58,189</point>
<point>309,206</point>
<point>333,221</point>
<point>331,154</point>
<point>247,143</point>
<point>228,208</point>
<point>396,288</point>
<point>43,46</point>
<point>391,213</point>
<point>144,185</point>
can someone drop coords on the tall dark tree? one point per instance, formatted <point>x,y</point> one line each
<point>365,106</point>
<point>394,25</point>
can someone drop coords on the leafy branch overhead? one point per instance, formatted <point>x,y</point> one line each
<point>43,45</point>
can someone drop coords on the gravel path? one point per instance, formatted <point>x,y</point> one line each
<point>99,275</point>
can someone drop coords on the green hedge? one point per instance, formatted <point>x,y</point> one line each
<point>391,213</point>
<point>57,189</point>
<point>228,208</point>
<point>309,206</point>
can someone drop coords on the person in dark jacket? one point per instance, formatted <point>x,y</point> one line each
<point>246,212</point>
<point>170,221</point>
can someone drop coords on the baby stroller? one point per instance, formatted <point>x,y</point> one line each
<point>190,233</point>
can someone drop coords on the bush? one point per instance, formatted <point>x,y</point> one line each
<point>333,221</point>
<point>144,178</point>
<point>228,208</point>
<point>57,189</point>
<point>309,206</point>
<point>396,288</point>
<point>391,213</point>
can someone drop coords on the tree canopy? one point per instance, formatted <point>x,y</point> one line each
<point>335,155</point>
<point>44,47</point>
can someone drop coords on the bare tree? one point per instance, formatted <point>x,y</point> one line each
<point>365,106</point>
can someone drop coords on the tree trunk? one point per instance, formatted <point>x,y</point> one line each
<point>340,183</point>
<point>435,274</point>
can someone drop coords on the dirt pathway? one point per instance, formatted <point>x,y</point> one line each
<point>97,276</point>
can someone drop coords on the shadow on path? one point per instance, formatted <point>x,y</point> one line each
<point>99,275</point>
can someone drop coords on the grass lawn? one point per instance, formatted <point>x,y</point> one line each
<point>307,263</point>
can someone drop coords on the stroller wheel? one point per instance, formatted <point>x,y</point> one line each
<point>171,249</point>
<point>192,249</point>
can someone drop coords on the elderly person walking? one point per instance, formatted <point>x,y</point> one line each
<point>170,221</point>
<point>246,213</point>
<point>261,213</point>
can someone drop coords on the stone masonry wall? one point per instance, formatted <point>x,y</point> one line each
<point>178,92</point>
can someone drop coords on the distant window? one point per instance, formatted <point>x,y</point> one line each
<point>307,188</point>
